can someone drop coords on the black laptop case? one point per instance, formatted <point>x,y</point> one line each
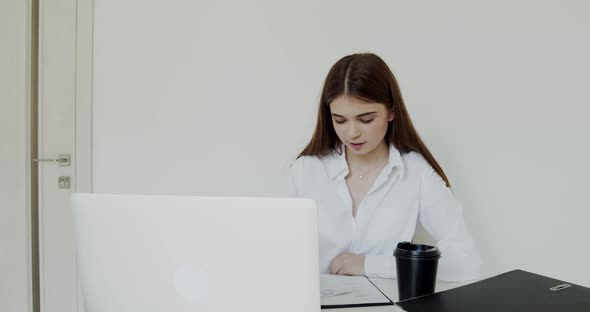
<point>512,291</point>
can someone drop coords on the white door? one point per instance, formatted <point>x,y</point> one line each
<point>64,128</point>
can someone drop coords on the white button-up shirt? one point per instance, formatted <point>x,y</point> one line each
<point>407,191</point>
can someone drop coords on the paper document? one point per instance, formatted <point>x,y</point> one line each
<point>338,291</point>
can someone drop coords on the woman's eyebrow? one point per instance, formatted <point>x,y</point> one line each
<point>360,115</point>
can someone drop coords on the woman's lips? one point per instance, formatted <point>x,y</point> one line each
<point>357,146</point>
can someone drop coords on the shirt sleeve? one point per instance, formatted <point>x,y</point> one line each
<point>441,215</point>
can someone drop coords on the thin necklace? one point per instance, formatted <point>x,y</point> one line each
<point>361,176</point>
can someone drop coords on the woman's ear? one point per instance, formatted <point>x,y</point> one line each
<point>391,116</point>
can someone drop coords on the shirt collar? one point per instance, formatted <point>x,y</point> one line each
<point>337,167</point>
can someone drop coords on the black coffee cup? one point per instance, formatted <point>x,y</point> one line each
<point>416,266</point>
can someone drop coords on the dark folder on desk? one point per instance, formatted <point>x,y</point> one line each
<point>512,291</point>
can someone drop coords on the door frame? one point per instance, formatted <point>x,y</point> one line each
<point>84,85</point>
<point>83,127</point>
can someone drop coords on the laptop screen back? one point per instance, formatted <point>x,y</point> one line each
<point>181,253</point>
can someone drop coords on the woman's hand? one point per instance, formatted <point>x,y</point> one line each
<point>348,264</point>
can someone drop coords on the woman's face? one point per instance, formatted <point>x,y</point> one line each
<point>359,125</point>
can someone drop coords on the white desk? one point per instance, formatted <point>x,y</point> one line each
<point>389,288</point>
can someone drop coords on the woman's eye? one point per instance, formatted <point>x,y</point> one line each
<point>339,121</point>
<point>367,120</point>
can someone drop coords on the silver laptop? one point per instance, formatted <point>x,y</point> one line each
<point>180,253</point>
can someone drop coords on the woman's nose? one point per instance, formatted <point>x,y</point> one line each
<point>353,131</point>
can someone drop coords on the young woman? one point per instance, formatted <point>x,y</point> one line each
<point>374,179</point>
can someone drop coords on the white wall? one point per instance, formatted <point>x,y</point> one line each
<point>15,283</point>
<point>215,98</point>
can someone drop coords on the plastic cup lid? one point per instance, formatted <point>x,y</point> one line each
<point>407,249</point>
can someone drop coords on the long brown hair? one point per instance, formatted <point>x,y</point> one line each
<point>366,77</point>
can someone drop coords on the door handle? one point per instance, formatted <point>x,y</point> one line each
<point>63,160</point>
